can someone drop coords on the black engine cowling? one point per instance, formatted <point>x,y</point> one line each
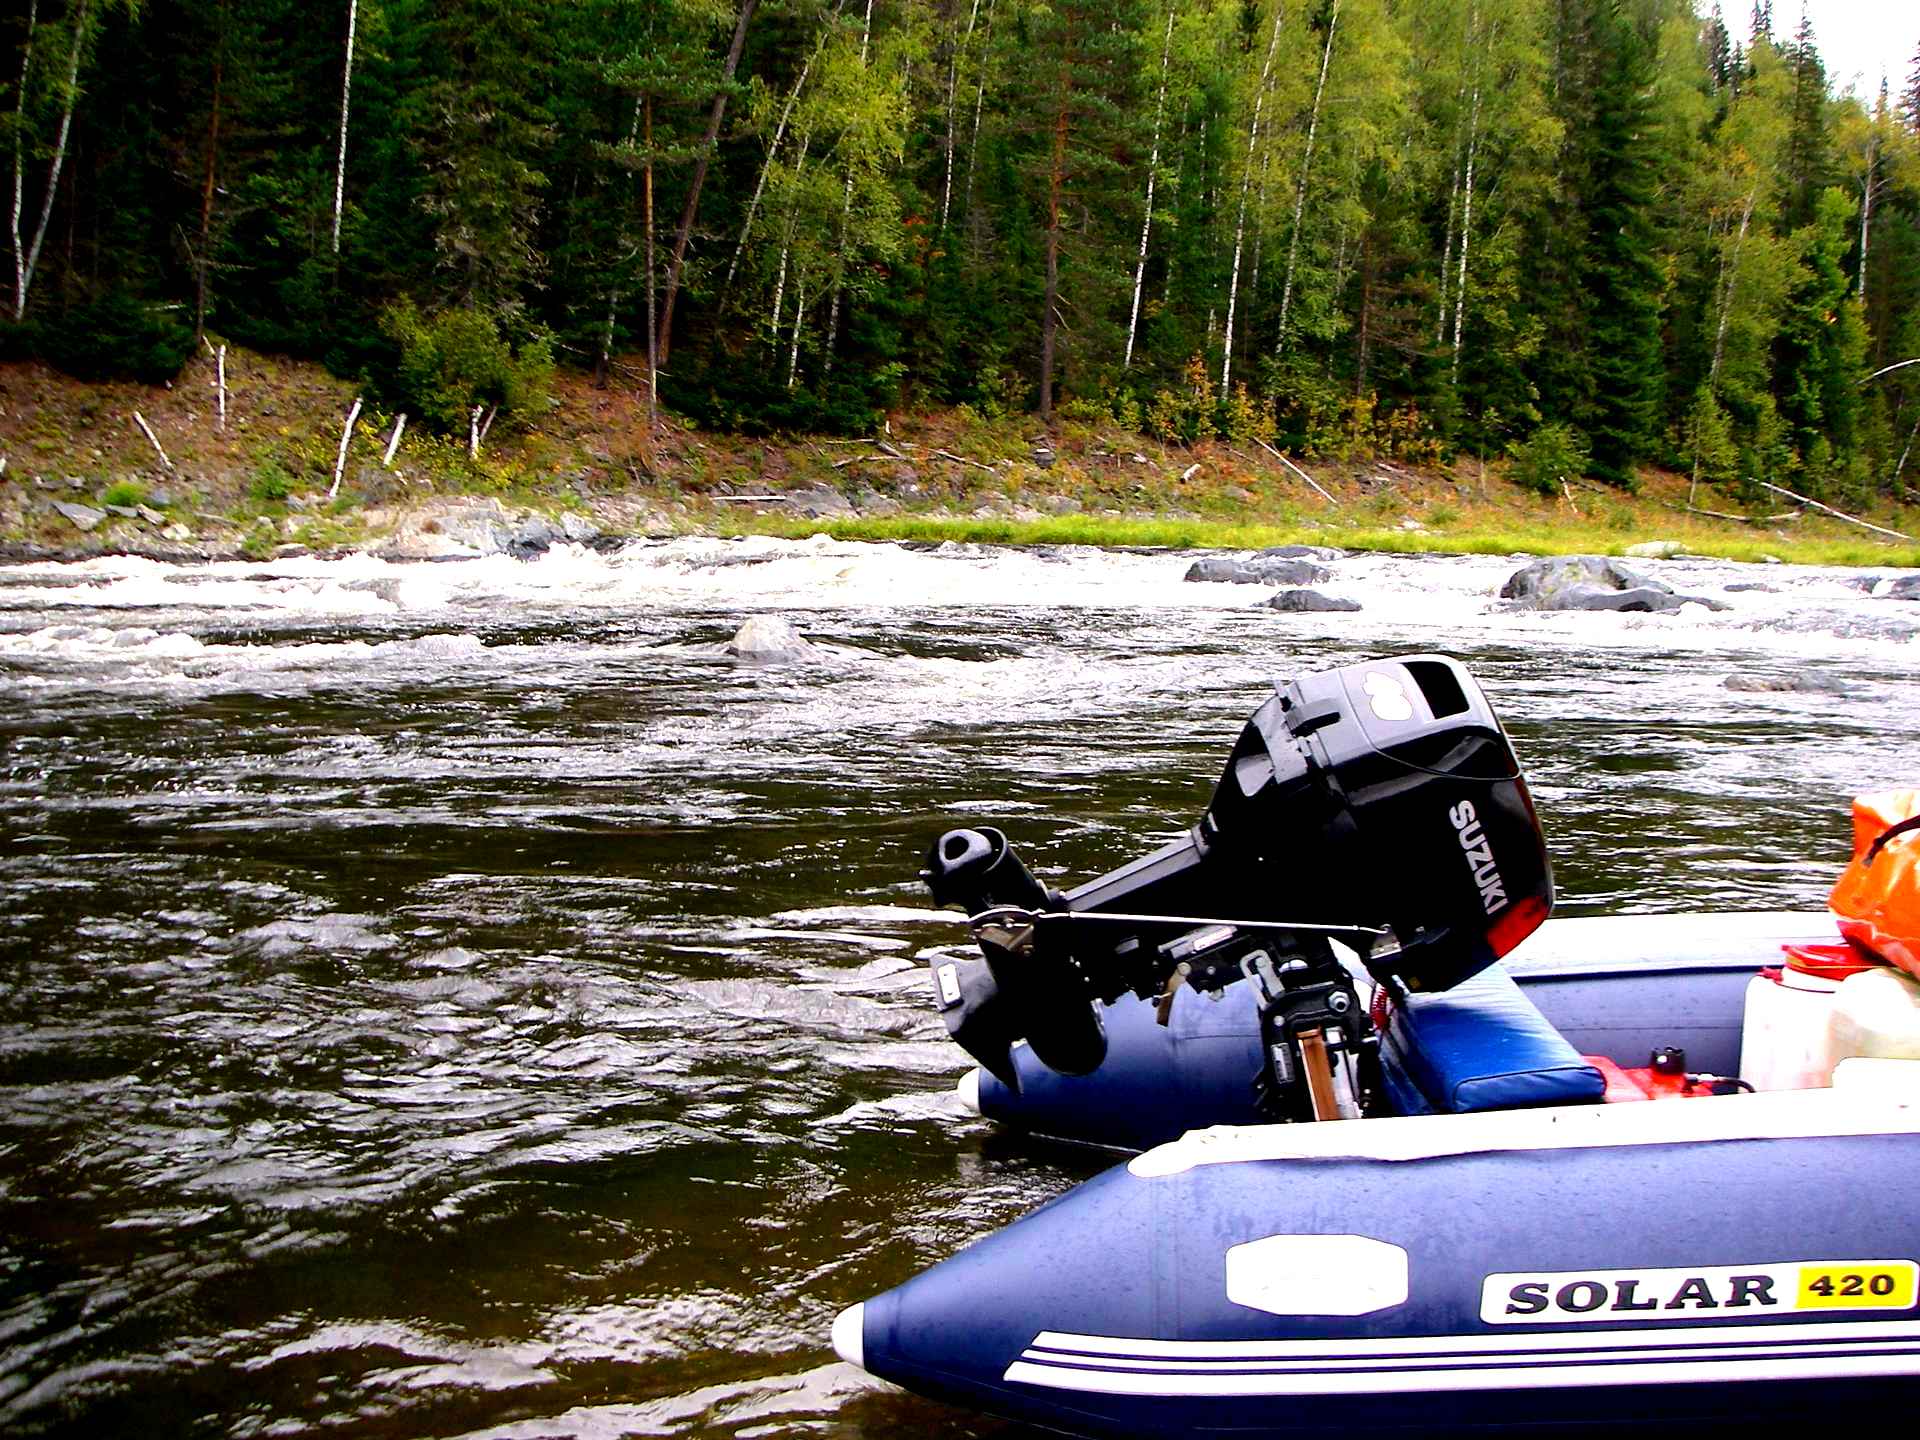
<point>1382,800</point>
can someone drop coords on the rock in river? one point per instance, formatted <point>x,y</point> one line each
<point>1592,582</point>
<point>1301,602</point>
<point>1254,570</point>
<point>768,640</point>
<point>1300,552</point>
<point>1799,682</point>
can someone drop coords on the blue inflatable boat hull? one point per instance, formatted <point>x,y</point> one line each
<point>1111,1312</point>
<point>1746,1259</point>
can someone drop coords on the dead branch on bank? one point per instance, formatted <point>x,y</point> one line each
<point>1837,514</point>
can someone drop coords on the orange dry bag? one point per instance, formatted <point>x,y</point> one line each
<point>1877,900</point>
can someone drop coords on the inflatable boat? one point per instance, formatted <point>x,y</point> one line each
<point>1390,1179</point>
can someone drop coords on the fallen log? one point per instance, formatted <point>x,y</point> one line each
<point>868,459</point>
<point>1728,515</point>
<point>1317,489</point>
<point>1837,514</point>
<point>147,430</point>
<point>963,460</point>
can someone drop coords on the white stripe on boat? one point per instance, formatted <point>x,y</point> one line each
<point>1105,1365</point>
<point>1778,1115</point>
<point>1669,1336</point>
<point>1508,1377</point>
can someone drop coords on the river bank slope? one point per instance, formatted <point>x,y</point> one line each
<point>161,471</point>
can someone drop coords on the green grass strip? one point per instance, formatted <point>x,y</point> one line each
<point>1185,534</point>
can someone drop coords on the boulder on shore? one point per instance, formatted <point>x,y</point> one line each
<point>463,527</point>
<point>1307,602</point>
<point>768,640</point>
<point>83,516</point>
<point>1592,582</point>
<point>818,503</point>
<point>532,536</point>
<point>1259,569</point>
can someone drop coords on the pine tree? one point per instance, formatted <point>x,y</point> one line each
<point>652,58</point>
<point>1087,58</point>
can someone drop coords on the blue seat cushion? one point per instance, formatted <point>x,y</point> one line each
<point>1482,1045</point>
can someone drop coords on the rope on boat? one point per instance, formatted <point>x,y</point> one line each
<point>1014,914</point>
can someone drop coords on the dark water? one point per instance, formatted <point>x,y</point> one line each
<point>455,1000</point>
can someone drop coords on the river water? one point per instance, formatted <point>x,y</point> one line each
<point>458,1000</point>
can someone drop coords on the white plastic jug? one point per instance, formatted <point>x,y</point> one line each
<point>1783,1042</point>
<point>1876,1015</point>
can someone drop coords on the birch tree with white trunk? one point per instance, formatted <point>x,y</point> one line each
<point>1153,173</point>
<point>19,156</point>
<point>81,23</point>
<point>1466,234</point>
<point>1446,253</point>
<point>960,52</point>
<point>979,106</point>
<point>346,107</point>
<point>773,147</point>
<point>1306,170</point>
<point>1246,186</point>
<point>786,242</point>
<point>846,212</point>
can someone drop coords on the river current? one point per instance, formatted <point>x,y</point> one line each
<point>459,999</point>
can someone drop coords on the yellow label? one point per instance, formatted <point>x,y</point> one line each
<point>1884,1285</point>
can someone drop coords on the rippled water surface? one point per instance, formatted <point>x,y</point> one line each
<point>460,1000</point>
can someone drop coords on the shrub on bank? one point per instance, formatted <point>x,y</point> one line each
<point>1553,454</point>
<point>447,363</point>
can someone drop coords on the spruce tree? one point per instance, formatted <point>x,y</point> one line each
<point>482,128</point>
<point>1622,274</point>
<point>1808,160</point>
<point>1821,347</point>
<point>1720,51</point>
<point>1910,96</point>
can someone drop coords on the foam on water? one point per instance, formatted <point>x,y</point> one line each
<point>1434,592</point>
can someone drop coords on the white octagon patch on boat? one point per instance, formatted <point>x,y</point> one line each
<point>1317,1275</point>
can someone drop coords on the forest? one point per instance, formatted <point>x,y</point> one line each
<point>1580,233</point>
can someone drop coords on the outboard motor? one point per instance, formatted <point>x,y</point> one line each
<point>1379,804</point>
